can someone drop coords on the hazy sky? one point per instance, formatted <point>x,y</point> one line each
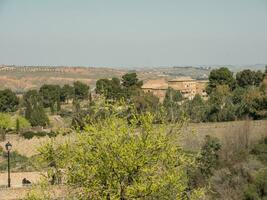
<point>133,32</point>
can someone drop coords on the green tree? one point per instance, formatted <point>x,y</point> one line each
<point>247,78</point>
<point>208,160</point>
<point>111,89</point>
<point>51,96</point>
<point>146,102</point>
<point>172,96</point>
<point>115,159</point>
<point>131,80</point>
<point>22,123</point>
<point>220,106</point>
<point>251,103</point>
<point>195,109</point>
<point>66,93</point>
<point>172,101</point>
<point>131,85</point>
<point>34,111</point>
<point>8,101</point>
<point>81,90</point>
<point>5,124</point>
<point>102,86</point>
<point>221,76</point>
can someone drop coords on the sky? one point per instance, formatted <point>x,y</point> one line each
<point>133,33</point>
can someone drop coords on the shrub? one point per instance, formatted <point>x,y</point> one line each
<point>18,162</point>
<point>31,134</point>
<point>209,156</point>
<point>258,188</point>
<point>260,150</point>
<point>115,159</point>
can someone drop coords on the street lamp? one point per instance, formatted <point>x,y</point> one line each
<point>8,148</point>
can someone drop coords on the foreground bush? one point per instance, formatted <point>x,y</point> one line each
<point>121,159</point>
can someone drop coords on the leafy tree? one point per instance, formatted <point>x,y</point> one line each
<point>131,85</point>
<point>172,103</point>
<point>220,105</point>
<point>102,86</point>
<point>209,155</point>
<point>146,102</point>
<point>34,109</point>
<point>207,162</point>
<point>259,76</point>
<point>247,78</point>
<point>111,89</point>
<point>221,76</point>
<point>131,80</point>
<point>5,124</point>
<point>250,104</point>
<point>172,97</point>
<point>195,109</point>
<point>51,96</point>
<point>115,159</point>
<point>81,90</point>
<point>22,123</point>
<point>8,101</point>
<point>66,93</point>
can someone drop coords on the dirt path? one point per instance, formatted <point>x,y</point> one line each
<point>16,178</point>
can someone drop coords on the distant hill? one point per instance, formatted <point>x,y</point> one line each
<point>22,78</point>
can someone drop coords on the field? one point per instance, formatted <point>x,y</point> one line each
<point>192,135</point>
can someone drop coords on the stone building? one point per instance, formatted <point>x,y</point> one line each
<point>186,85</point>
<point>158,87</point>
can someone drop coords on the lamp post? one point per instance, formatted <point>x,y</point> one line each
<point>8,148</point>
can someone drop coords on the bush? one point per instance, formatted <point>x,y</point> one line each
<point>260,150</point>
<point>31,134</point>
<point>258,188</point>
<point>209,158</point>
<point>18,162</point>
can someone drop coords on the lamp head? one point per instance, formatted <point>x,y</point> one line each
<point>8,146</point>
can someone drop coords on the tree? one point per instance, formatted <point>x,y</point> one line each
<point>8,101</point>
<point>252,103</point>
<point>131,85</point>
<point>34,109</point>
<point>66,93</point>
<point>115,159</point>
<point>51,97</point>
<point>22,123</point>
<point>207,162</point>
<point>247,78</point>
<point>220,106</point>
<point>172,96</point>
<point>131,80</point>
<point>81,90</point>
<point>111,89</point>
<point>195,109</point>
<point>172,103</point>
<point>221,76</point>
<point>5,124</point>
<point>146,102</point>
<point>102,86</point>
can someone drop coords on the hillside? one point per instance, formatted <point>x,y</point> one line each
<point>21,78</point>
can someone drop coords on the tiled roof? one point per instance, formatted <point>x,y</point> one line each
<point>181,79</point>
<point>156,84</point>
